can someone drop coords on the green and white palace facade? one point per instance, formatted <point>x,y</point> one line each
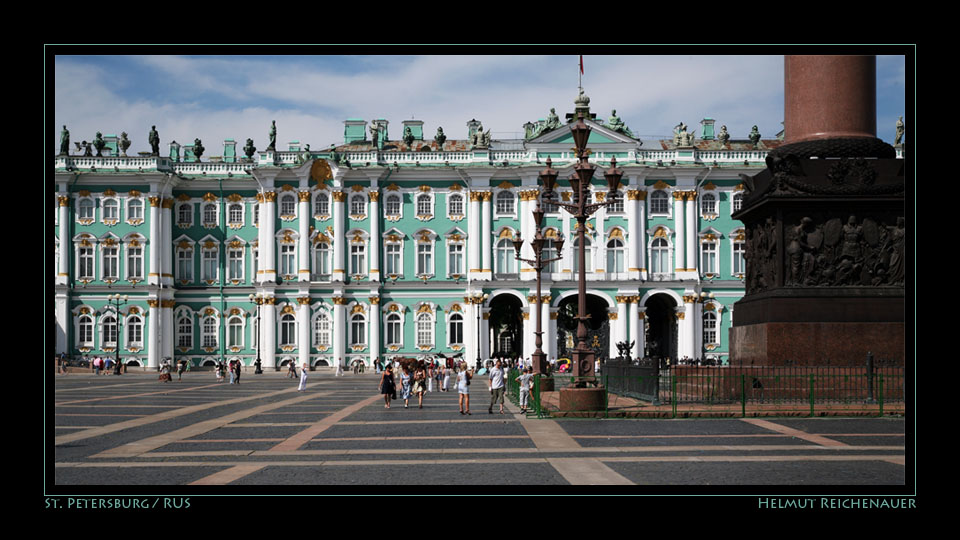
<point>396,247</point>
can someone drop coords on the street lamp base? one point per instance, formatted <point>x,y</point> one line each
<point>583,399</point>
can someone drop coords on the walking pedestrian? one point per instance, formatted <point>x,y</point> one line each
<point>230,370</point>
<point>219,369</point>
<point>180,369</point>
<point>446,380</point>
<point>496,386</point>
<point>387,386</point>
<point>303,377</point>
<point>339,371</point>
<point>463,388</point>
<point>420,383</point>
<point>292,370</point>
<point>238,367</point>
<point>406,385</point>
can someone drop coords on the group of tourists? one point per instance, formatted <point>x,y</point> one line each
<point>233,368</point>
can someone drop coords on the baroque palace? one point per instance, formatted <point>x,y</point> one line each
<point>383,247</point>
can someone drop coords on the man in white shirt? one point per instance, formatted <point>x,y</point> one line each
<point>496,387</point>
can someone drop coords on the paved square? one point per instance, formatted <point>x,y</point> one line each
<point>135,430</point>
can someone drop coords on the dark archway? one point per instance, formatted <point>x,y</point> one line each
<point>661,327</point>
<point>598,327</point>
<point>506,326</point>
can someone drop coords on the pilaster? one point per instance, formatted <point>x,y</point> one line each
<point>375,240</point>
<point>268,330</point>
<point>486,234</point>
<point>153,333</point>
<point>679,240</point>
<point>339,329</point>
<point>374,321</point>
<point>339,240</point>
<point>303,329</point>
<point>475,241</point>
<point>303,212</point>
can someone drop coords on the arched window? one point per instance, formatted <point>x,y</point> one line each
<point>392,205</point>
<point>108,332</point>
<point>209,332</point>
<point>708,204</point>
<point>321,205</point>
<point>288,329</point>
<point>710,333</point>
<point>506,257</point>
<point>424,205</point>
<point>455,204</point>
<point>321,331</point>
<point>394,329</point>
<point>235,214</point>
<point>85,335</point>
<point>185,215</point>
<point>455,332</point>
<point>358,330</point>
<point>288,205</point>
<point>135,209</point>
<point>615,255</point>
<point>185,332</point>
<point>659,256</point>
<point>659,203</point>
<point>209,215</point>
<point>505,202</point>
<point>425,330</point>
<point>134,331</point>
<point>588,255</point>
<point>358,205</point>
<point>235,332</point>
<point>111,210</point>
<point>85,209</point>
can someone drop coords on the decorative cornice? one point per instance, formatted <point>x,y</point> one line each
<point>661,185</point>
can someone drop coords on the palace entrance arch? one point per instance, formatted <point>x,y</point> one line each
<point>598,327</point>
<point>661,326</point>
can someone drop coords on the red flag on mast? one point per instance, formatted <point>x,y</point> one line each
<point>581,64</point>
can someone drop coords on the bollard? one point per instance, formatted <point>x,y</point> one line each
<point>870,399</point>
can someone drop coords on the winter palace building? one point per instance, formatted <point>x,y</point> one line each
<point>384,247</point>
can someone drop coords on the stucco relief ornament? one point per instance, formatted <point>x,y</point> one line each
<point>99,144</point>
<point>124,143</point>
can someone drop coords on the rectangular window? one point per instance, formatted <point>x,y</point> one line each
<point>739,266</point>
<point>134,263</point>
<point>424,258</point>
<point>85,271</point>
<point>209,265</point>
<point>185,265</point>
<point>358,259</point>
<point>455,265</point>
<point>111,263</point>
<point>135,210</point>
<point>393,260</point>
<point>236,264</point>
<point>287,263</point>
<point>708,259</point>
<point>135,336</point>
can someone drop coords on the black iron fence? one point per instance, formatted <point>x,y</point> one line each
<point>678,391</point>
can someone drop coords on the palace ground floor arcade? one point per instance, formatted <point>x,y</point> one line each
<point>328,326</point>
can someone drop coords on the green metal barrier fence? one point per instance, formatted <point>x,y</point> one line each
<point>724,392</point>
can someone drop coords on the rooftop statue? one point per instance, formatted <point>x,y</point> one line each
<point>897,141</point>
<point>616,124</point>
<point>681,137</point>
<point>440,138</point>
<point>408,136</point>
<point>99,144</point>
<point>65,141</point>
<point>197,148</point>
<point>553,121</point>
<point>249,149</point>
<point>272,147</point>
<point>154,139</point>
<point>754,135</point>
<point>124,143</point>
<point>723,136</point>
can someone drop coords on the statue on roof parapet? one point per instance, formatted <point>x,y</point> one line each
<point>124,144</point>
<point>616,124</point>
<point>154,139</point>
<point>65,141</point>
<point>898,141</point>
<point>681,137</point>
<point>755,135</point>
<point>99,144</point>
<point>723,136</point>
<point>440,138</point>
<point>272,147</point>
<point>249,149</point>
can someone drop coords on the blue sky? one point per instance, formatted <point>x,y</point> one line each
<point>236,97</point>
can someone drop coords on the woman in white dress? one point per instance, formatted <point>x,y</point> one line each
<point>463,388</point>
<point>303,378</point>
<point>446,380</point>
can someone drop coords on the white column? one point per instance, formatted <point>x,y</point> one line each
<point>470,332</point>
<point>475,241</point>
<point>528,201</point>
<point>549,339</point>
<point>268,329</point>
<point>166,330</point>
<point>375,240</point>
<point>340,329</point>
<point>691,198</point>
<point>600,243</point>
<point>153,333</point>
<point>641,337</point>
<point>484,335</point>
<point>613,338</point>
<point>64,321</point>
<point>303,330</point>
<point>529,327</point>
<point>268,241</point>
<point>486,233</point>
<point>303,213</point>
<point>679,239</point>
<point>686,338</point>
<point>636,325</point>
<point>552,334</point>
<point>156,247</point>
<point>373,319</point>
<point>165,246</point>
<point>621,326</point>
<point>339,240</point>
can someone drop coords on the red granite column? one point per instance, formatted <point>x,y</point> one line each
<point>829,97</point>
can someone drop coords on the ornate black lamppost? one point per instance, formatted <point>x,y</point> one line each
<point>549,176</point>
<point>477,299</point>
<point>583,356</point>
<point>257,300</point>
<point>115,301</point>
